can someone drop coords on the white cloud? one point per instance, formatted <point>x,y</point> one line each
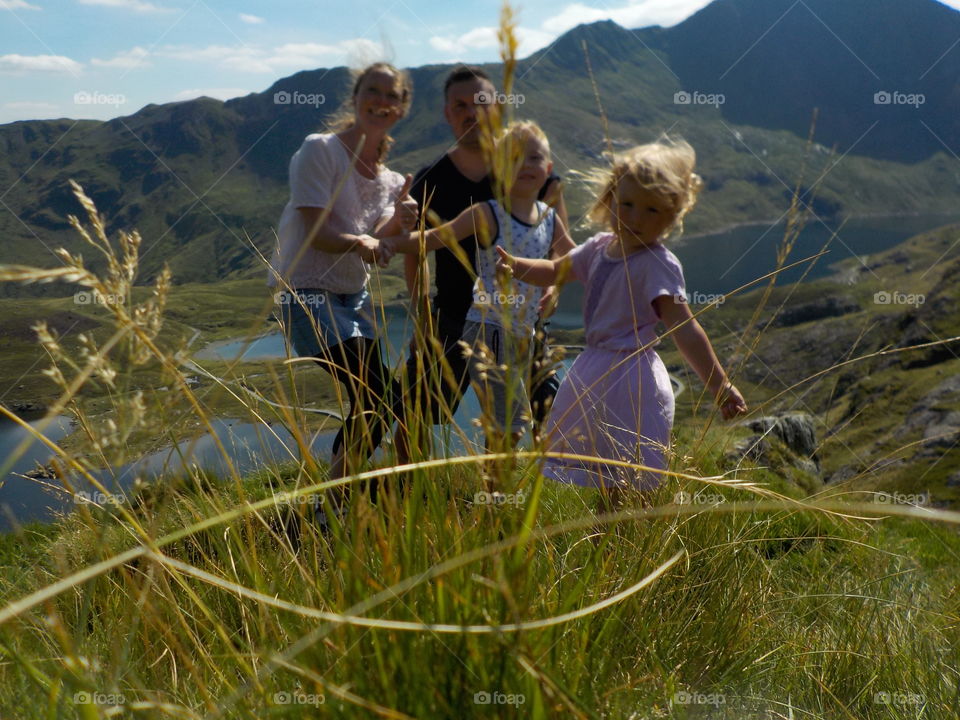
<point>251,19</point>
<point>136,5</point>
<point>252,59</point>
<point>634,14</point>
<point>476,39</point>
<point>639,13</point>
<point>26,108</point>
<point>12,112</point>
<point>486,37</point>
<point>16,5</point>
<point>38,63</point>
<point>217,93</point>
<point>127,59</point>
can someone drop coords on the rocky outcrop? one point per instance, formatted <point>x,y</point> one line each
<point>794,433</point>
<point>795,430</point>
<point>936,420</point>
<point>833,306</point>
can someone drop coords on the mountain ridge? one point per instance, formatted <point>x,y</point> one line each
<point>204,180</point>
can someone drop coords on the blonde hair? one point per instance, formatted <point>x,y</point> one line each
<point>664,167</point>
<point>522,130</point>
<point>344,118</point>
<point>509,146</point>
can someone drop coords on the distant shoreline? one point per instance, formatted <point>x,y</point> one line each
<point>777,221</point>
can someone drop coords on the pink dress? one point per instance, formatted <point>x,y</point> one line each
<point>616,402</point>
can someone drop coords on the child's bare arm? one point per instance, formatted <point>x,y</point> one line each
<point>561,244</point>
<point>542,273</point>
<point>695,346</point>
<point>475,220</point>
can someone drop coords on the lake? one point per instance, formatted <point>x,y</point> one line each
<point>250,446</point>
<point>720,263</point>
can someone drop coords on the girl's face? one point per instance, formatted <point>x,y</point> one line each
<point>378,103</point>
<point>640,216</point>
<point>533,167</point>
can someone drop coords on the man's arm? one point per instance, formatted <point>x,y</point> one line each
<point>412,265</point>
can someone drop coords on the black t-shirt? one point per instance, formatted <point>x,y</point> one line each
<point>452,194</point>
<point>449,194</point>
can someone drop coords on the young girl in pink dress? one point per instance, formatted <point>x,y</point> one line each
<point>616,402</point>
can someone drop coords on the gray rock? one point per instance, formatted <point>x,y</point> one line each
<point>795,430</point>
<point>831,306</point>
<point>754,448</point>
<point>808,466</point>
<point>935,419</point>
<point>945,432</point>
<point>843,474</point>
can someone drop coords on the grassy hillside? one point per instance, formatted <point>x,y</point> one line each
<point>757,581</point>
<point>445,608</point>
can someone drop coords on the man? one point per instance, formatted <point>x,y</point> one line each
<point>458,179</point>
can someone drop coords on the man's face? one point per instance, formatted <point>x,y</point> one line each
<point>465,101</point>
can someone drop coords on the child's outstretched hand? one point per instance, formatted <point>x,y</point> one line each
<point>505,262</point>
<point>731,402</point>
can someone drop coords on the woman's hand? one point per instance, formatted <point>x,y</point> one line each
<point>385,252</point>
<point>372,250</point>
<point>405,208</point>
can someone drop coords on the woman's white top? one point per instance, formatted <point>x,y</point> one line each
<point>321,176</point>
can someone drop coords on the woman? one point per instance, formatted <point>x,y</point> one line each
<point>342,200</point>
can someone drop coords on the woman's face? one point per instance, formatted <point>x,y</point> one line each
<point>378,103</point>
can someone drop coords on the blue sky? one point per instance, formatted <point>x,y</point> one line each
<point>104,58</point>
